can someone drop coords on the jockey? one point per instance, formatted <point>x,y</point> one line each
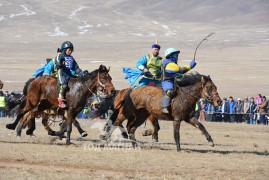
<point>65,63</point>
<point>170,69</point>
<point>150,64</point>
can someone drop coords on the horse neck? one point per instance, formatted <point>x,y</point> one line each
<point>90,86</point>
<point>193,91</point>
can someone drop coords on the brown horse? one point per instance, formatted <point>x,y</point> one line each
<point>43,92</point>
<point>1,84</point>
<point>118,102</point>
<point>145,101</point>
<point>19,105</point>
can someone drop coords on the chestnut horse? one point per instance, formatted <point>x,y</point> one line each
<point>146,101</point>
<point>19,105</point>
<point>43,92</point>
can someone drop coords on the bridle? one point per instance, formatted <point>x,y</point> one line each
<point>101,87</point>
<point>208,98</point>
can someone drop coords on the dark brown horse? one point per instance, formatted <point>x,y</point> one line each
<point>145,101</point>
<point>43,92</point>
<point>18,107</point>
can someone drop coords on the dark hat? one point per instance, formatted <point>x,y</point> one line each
<point>156,46</point>
<point>264,97</point>
<point>225,99</point>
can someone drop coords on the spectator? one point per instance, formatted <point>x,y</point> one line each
<point>197,110</point>
<point>13,100</point>
<point>202,111</point>
<point>3,103</point>
<point>209,112</point>
<point>238,108</point>
<point>231,109</point>
<point>85,112</point>
<point>259,99</point>
<point>263,110</point>
<point>252,110</point>
<point>225,109</point>
<point>245,110</point>
<point>217,114</point>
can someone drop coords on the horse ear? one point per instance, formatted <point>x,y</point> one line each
<point>203,80</point>
<point>108,69</point>
<point>102,68</point>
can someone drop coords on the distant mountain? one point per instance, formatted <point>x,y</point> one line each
<point>123,17</point>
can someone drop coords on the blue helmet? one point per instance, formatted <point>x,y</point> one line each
<point>168,52</point>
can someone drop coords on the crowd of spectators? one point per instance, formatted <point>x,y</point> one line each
<point>249,110</point>
<point>5,99</point>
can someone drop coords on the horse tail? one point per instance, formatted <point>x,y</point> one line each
<point>121,97</point>
<point>26,86</point>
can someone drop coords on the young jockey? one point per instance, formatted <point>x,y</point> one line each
<point>65,63</point>
<point>170,69</point>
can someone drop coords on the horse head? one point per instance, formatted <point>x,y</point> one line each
<point>101,81</point>
<point>209,91</point>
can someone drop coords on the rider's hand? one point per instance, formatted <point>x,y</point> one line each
<point>192,63</point>
<point>146,70</point>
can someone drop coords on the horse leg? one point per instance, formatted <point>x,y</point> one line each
<point>32,126</point>
<point>109,124</point>
<point>14,124</point>
<point>131,128</point>
<point>176,124</point>
<point>155,128</point>
<point>70,118</point>
<point>193,121</point>
<point>134,123</point>
<point>80,130</point>
<point>22,122</point>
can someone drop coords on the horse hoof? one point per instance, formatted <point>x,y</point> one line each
<point>211,144</point>
<point>145,133</point>
<point>103,137</point>
<point>124,135</point>
<point>10,126</point>
<point>84,134</point>
<point>51,133</point>
<point>29,132</point>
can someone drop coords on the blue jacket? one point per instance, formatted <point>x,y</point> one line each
<point>226,107</point>
<point>142,63</point>
<point>231,105</point>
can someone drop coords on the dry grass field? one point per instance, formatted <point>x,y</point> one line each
<point>241,152</point>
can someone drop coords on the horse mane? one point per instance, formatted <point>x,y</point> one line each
<point>86,75</point>
<point>191,79</point>
<point>26,86</point>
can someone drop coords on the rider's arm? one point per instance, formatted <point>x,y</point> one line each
<point>60,61</point>
<point>142,63</point>
<point>76,68</point>
<point>49,68</point>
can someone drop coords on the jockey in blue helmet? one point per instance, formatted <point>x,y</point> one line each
<point>170,69</point>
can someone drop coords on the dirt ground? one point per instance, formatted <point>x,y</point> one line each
<point>240,152</point>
